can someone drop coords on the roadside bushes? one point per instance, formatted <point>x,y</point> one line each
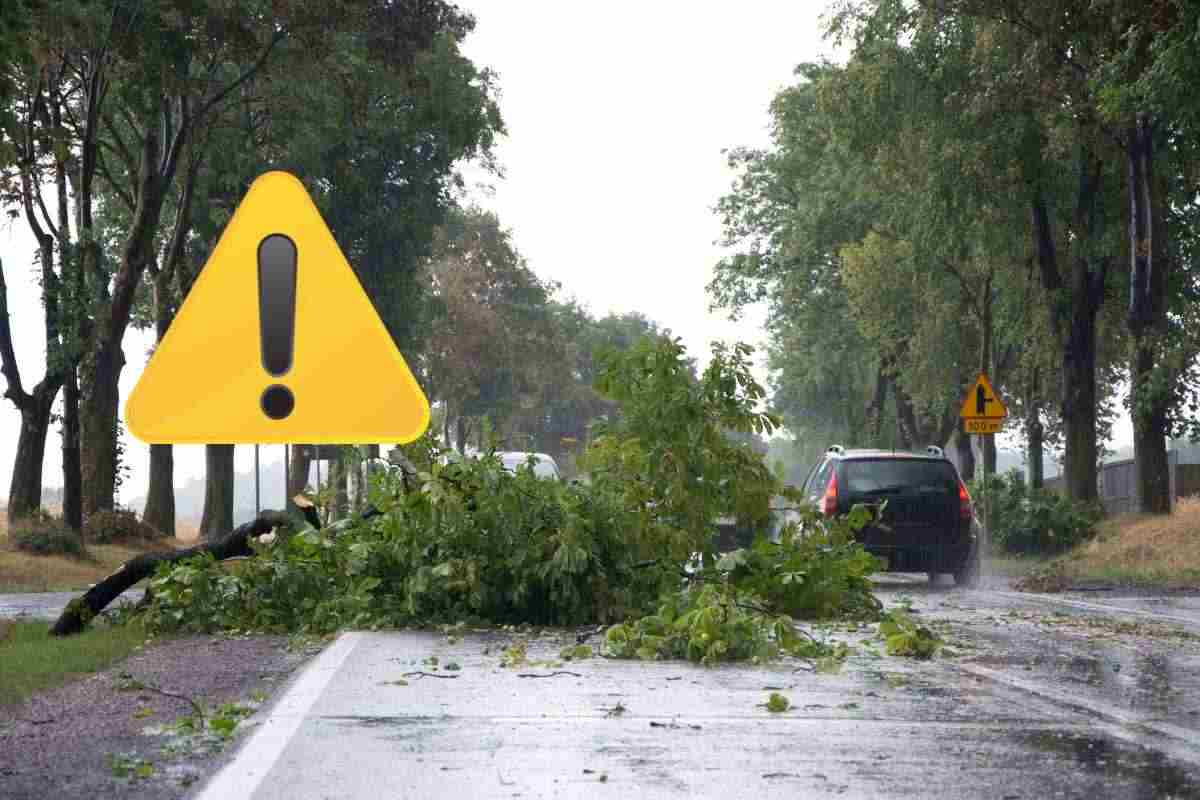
<point>1026,521</point>
<point>43,534</point>
<point>116,525</point>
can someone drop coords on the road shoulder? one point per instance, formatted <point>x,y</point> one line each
<point>126,731</point>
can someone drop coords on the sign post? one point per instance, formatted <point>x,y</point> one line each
<point>983,414</point>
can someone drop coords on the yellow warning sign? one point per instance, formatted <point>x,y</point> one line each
<point>277,342</point>
<point>982,403</point>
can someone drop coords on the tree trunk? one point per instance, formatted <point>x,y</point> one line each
<point>1036,443</point>
<point>1151,381</point>
<point>1150,436</point>
<point>338,478</point>
<point>72,489</point>
<point>75,616</point>
<point>217,520</point>
<point>1081,457</point>
<point>25,491</point>
<point>461,432</point>
<point>1073,307</point>
<point>160,497</point>
<point>966,455</point>
<point>988,448</point>
<point>98,426</point>
<point>875,410</point>
<point>298,468</point>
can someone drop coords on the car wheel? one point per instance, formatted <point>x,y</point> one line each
<point>968,573</point>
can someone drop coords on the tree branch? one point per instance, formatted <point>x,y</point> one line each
<point>8,357</point>
<point>102,167</point>
<point>250,72</point>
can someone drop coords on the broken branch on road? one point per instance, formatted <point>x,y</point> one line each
<point>548,675</point>
<point>419,674</point>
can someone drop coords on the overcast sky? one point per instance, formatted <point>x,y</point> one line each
<point>617,114</point>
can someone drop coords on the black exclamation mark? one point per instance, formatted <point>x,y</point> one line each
<point>277,318</point>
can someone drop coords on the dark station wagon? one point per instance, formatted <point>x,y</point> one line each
<point>927,523</point>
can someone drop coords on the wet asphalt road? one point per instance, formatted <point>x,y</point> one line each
<point>1035,699</point>
<point>48,605</point>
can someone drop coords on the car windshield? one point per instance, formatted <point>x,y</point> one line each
<point>898,474</point>
<point>542,468</point>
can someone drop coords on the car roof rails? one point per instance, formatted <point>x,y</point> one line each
<point>935,451</point>
<point>837,448</point>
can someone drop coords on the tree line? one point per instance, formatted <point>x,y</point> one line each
<point>999,186</point>
<point>131,129</point>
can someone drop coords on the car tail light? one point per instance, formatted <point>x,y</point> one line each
<point>830,502</point>
<point>964,501</point>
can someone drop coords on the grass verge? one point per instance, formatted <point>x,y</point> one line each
<point>1131,550</point>
<point>31,659</point>
<point>26,572</point>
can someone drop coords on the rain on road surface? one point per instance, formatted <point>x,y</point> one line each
<point>1040,699</point>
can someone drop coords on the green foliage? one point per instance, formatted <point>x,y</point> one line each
<point>707,624</point>
<point>668,454</point>
<point>44,534</point>
<point>903,637</point>
<point>778,703</point>
<point>132,767</point>
<point>743,607</point>
<point>117,525</point>
<point>816,571</point>
<point>1027,521</point>
<point>468,541</point>
<point>465,540</point>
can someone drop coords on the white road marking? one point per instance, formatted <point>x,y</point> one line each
<point>1126,723</point>
<point>241,777</point>
<point>1086,606</point>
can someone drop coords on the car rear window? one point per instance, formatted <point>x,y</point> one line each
<point>890,474</point>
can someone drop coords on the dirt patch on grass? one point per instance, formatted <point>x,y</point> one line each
<point>1131,549</point>
<point>114,735</point>
<point>26,572</point>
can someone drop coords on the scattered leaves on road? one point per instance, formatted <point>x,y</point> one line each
<point>777,703</point>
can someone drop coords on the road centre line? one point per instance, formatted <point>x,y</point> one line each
<point>1083,605</point>
<point>240,778</point>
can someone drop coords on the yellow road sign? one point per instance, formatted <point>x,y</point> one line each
<point>982,403</point>
<point>277,342</point>
<point>983,425</point>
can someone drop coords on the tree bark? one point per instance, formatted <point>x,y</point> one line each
<point>218,492</point>
<point>1151,382</point>
<point>98,426</point>
<point>1073,308</point>
<point>1035,441</point>
<point>160,497</point>
<point>25,491</point>
<point>966,455</point>
<point>875,410</point>
<point>81,610</point>
<point>72,488</point>
<point>298,470</point>
<point>1081,456</point>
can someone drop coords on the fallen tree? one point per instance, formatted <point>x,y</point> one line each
<point>80,611</point>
